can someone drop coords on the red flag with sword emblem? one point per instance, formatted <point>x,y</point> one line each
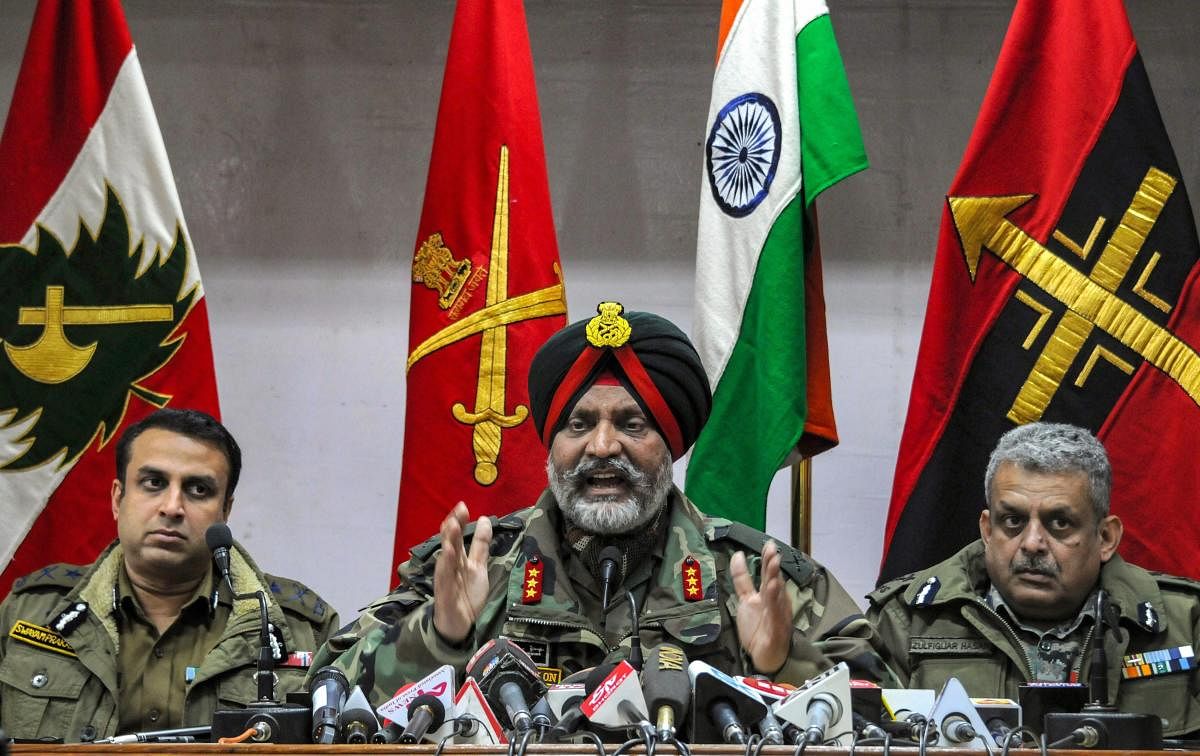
<point>1064,290</point>
<point>102,315</point>
<point>487,287</point>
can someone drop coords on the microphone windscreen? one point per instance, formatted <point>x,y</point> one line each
<point>598,675</point>
<point>218,535</point>
<point>665,679</point>
<point>614,555</point>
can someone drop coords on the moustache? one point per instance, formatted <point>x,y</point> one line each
<point>1036,566</point>
<point>589,467</point>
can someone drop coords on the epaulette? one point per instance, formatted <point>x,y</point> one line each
<point>795,563</point>
<point>1176,582</point>
<point>891,588</point>
<point>52,576</point>
<point>298,598</point>
<point>504,534</point>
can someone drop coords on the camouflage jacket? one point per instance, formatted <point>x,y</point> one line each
<point>937,625</point>
<point>63,684</point>
<point>394,641</point>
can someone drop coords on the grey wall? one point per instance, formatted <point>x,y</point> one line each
<point>299,133</point>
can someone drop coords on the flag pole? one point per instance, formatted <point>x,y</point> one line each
<point>802,505</point>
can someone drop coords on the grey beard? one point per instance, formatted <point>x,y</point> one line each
<point>610,515</point>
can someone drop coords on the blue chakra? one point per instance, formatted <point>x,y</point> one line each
<point>743,153</point>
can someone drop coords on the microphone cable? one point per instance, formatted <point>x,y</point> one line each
<point>594,739</point>
<point>1023,731</point>
<point>526,738</point>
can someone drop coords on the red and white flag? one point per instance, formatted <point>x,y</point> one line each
<point>487,287</point>
<point>102,315</point>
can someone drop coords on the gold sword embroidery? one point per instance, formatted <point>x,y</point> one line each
<point>499,312</point>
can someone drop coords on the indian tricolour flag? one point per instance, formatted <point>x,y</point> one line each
<point>781,129</point>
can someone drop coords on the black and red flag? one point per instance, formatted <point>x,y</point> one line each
<point>1063,290</point>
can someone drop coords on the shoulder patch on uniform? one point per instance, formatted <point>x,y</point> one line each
<point>1147,617</point>
<point>41,637</point>
<point>59,575</point>
<point>795,563</point>
<point>928,592</point>
<point>297,597</point>
<point>70,618</point>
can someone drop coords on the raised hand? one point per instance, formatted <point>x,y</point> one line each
<point>764,616</point>
<point>460,579</point>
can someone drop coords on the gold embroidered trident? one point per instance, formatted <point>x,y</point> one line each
<point>1091,299</point>
<point>492,320</point>
<point>53,358</point>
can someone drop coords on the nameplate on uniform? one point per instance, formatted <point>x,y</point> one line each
<point>1163,661</point>
<point>42,637</point>
<point>948,646</point>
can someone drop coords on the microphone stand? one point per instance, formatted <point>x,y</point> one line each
<point>1100,724</point>
<point>272,721</point>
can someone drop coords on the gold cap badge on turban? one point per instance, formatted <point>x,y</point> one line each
<point>608,329</point>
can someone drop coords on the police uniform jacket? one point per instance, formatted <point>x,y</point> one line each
<point>62,630</point>
<point>542,599</point>
<point>936,625</point>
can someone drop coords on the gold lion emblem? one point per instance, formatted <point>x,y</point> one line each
<point>434,265</point>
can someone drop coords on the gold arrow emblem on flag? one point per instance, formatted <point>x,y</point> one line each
<point>1091,299</point>
<point>53,358</point>
<point>499,312</point>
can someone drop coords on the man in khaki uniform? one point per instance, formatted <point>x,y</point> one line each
<point>616,399</point>
<point>148,637</point>
<point>1019,605</point>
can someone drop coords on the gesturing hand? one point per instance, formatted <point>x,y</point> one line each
<point>764,617</point>
<point>460,579</point>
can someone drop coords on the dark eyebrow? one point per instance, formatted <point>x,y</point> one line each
<point>148,470</point>
<point>1063,512</point>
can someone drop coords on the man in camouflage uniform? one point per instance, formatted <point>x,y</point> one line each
<point>616,399</point>
<point>148,637</point>
<point>1019,605</point>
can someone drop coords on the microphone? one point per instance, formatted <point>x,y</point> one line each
<point>955,718</point>
<point>667,688</point>
<point>475,722</point>
<point>618,701</point>
<point>610,558</point>
<point>509,680</point>
<point>357,720</point>
<point>401,708</point>
<point>720,706</point>
<point>572,718</point>
<point>425,713</point>
<point>769,727</point>
<point>219,540</point>
<point>328,689</point>
<point>541,715</point>
<point>820,706</point>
